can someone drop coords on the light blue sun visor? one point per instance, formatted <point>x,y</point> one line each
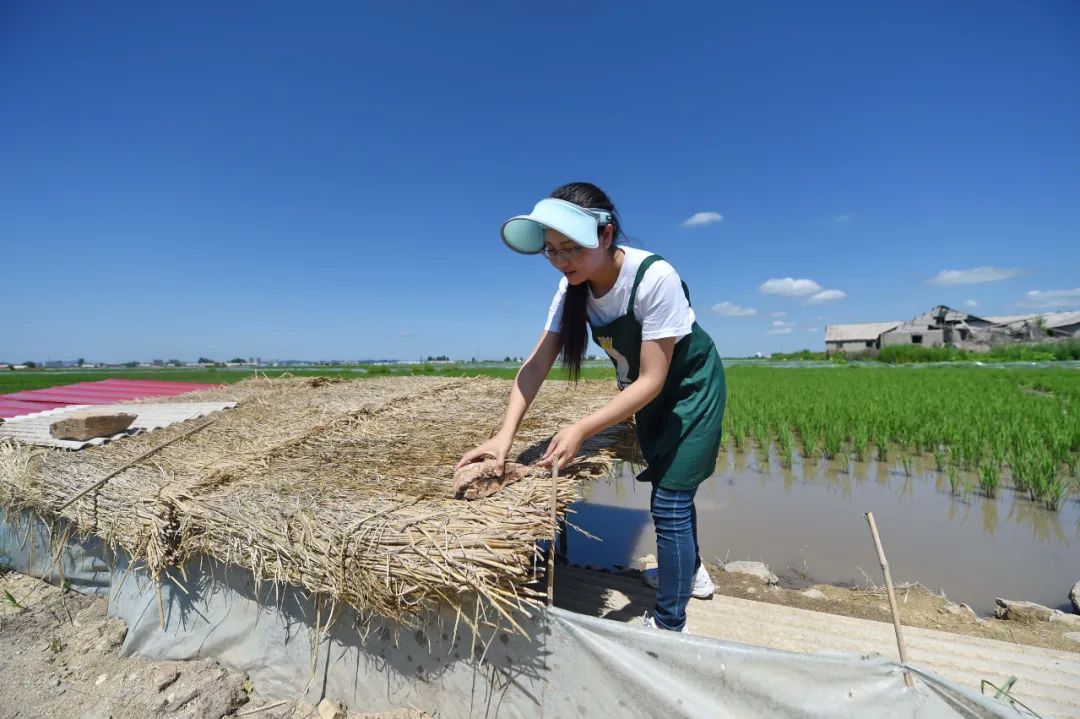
<point>525,233</point>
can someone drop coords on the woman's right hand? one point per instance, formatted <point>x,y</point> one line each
<point>497,448</point>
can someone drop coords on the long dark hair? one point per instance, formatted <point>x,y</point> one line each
<point>572,330</point>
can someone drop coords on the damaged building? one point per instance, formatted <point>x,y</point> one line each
<point>946,327</point>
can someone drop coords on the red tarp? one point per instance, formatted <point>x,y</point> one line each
<point>108,391</point>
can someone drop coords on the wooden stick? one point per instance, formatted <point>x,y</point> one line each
<point>554,531</point>
<point>131,464</point>
<point>892,597</point>
<point>266,707</point>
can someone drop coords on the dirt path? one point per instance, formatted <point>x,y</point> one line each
<point>919,607</point>
<point>61,659</point>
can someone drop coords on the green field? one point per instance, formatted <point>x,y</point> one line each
<point>981,425</point>
<point>20,380</point>
<point>984,427</point>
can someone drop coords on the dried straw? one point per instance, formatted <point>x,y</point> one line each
<point>341,488</point>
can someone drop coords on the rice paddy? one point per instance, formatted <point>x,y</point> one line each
<point>981,426</point>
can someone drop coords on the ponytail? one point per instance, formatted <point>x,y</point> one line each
<point>572,329</point>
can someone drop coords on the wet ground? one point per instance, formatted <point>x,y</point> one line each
<point>807,523</point>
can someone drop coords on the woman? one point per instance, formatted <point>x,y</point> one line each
<point>668,369</point>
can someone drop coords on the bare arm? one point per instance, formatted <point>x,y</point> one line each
<point>655,362</point>
<point>532,374</point>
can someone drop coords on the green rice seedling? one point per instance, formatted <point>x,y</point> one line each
<point>956,455</point>
<point>738,434</point>
<point>1050,489</point>
<point>907,466</point>
<point>845,463</point>
<point>955,487</point>
<point>858,443</point>
<point>1021,472</point>
<point>787,445</point>
<point>761,436</point>
<point>1053,493</point>
<point>989,476</point>
<point>809,441</point>
<point>939,458</point>
<point>883,451</point>
<point>834,440</point>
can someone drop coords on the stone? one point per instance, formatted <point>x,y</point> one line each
<point>482,479</point>
<point>1024,612</point>
<point>331,709</point>
<point>754,569</point>
<point>1074,597</point>
<point>90,423</point>
<point>168,681</point>
<point>959,610</point>
<point>813,594</point>
<point>1069,620</point>
<point>102,678</point>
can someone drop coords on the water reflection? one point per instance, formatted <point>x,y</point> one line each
<point>809,516</point>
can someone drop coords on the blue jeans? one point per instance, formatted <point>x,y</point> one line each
<point>677,557</point>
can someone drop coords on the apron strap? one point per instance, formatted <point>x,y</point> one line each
<point>645,264</point>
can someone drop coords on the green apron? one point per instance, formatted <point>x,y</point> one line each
<point>679,431</point>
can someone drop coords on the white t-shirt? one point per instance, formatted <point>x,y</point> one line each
<point>660,305</point>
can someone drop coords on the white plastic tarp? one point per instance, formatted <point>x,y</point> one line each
<point>573,665</point>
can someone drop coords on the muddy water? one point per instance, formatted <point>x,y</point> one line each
<point>806,522</point>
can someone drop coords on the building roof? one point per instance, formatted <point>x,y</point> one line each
<point>108,391</point>
<point>1009,319</point>
<point>857,332</point>
<point>1052,320</point>
<point>1062,319</point>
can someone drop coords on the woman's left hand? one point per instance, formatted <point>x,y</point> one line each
<point>564,446</point>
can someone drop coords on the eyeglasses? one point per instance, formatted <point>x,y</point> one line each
<point>565,255</point>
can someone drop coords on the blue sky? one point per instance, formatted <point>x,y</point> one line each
<point>326,180</point>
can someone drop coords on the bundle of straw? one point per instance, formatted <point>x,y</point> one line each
<point>338,487</point>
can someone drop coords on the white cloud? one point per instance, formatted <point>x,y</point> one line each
<point>780,331</point>
<point>700,219</point>
<point>727,309</point>
<point>778,314</point>
<point>1051,298</point>
<point>971,303</point>
<point>843,219</point>
<point>973,276</point>
<point>813,329</point>
<point>826,296</point>
<point>789,287</point>
<point>781,323</point>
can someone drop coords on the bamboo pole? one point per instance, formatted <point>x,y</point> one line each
<point>131,464</point>
<point>892,598</point>
<point>554,531</point>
